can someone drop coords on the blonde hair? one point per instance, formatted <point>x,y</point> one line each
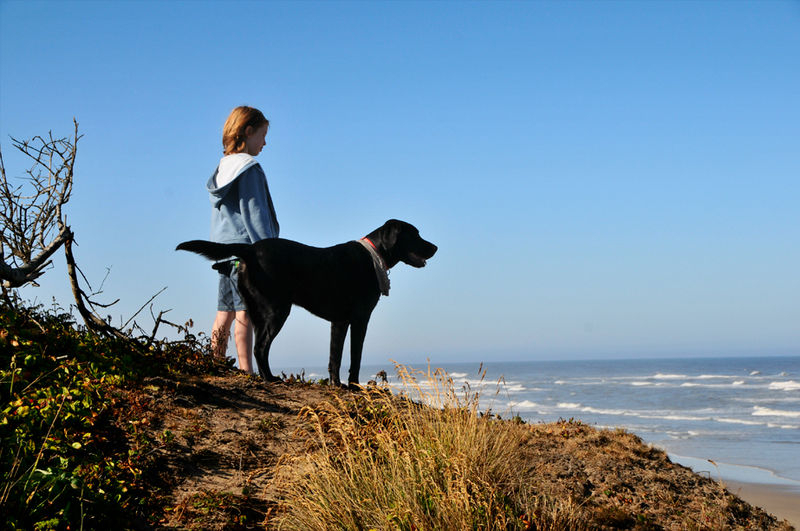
<point>234,135</point>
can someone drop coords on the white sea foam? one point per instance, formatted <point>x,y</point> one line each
<point>597,411</point>
<point>666,416</point>
<point>653,415</point>
<point>759,411</point>
<point>768,400</point>
<point>714,385</point>
<point>455,375</point>
<point>680,435</point>
<point>568,405</point>
<point>740,421</point>
<point>676,417</point>
<point>638,384</point>
<point>791,385</point>
<point>659,376</point>
<point>524,405</point>
<point>755,373</point>
<point>475,383</point>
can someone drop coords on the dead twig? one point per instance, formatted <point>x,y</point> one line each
<point>162,290</point>
<point>93,322</point>
<point>30,214</point>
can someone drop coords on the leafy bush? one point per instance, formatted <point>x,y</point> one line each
<point>67,461</point>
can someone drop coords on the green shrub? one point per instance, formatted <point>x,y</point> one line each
<point>66,460</point>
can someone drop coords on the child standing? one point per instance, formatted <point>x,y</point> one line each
<point>242,212</point>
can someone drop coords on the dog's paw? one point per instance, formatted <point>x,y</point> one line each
<point>271,378</point>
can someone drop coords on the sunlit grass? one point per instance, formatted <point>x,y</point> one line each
<point>428,460</point>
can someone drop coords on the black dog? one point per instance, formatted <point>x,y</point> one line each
<point>341,284</point>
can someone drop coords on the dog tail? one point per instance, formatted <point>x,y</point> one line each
<point>216,251</point>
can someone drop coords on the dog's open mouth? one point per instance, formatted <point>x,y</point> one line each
<point>416,260</point>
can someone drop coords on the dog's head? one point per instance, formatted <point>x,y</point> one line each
<point>398,241</point>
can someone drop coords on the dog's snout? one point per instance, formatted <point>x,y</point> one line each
<point>432,248</point>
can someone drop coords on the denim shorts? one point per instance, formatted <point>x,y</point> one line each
<point>228,298</point>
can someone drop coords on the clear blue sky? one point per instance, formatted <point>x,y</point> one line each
<point>603,179</point>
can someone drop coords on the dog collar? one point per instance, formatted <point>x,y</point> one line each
<point>381,271</point>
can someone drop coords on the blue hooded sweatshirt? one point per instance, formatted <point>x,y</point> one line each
<point>242,209</point>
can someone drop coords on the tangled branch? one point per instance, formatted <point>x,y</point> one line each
<point>30,215</point>
<point>34,227</point>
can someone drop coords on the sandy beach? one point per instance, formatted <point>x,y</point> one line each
<point>783,502</point>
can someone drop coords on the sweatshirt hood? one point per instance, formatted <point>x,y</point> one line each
<point>230,167</point>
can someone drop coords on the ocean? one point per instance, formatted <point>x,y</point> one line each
<point>742,414</point>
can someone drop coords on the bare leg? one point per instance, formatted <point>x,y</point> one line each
<point>243,336</point>
<point>220,333</point>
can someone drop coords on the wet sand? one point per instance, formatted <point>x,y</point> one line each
<point>783,502</point>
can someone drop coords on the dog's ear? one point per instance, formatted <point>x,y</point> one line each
<point>391,229</point>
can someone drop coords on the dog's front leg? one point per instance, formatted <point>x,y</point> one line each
<point>338,333</point>
<point>358,331</point>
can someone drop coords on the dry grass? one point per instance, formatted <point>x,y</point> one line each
<point>429,460</point>
<point>243,455</point>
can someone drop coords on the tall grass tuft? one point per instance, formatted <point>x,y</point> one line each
<point>426,459</point>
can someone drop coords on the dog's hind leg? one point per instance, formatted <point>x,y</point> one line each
<point>267,323</point>
<point>338,333</point>
<point>267,308</point>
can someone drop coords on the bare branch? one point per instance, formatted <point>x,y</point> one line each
<point>30,212</point>
<point>34,227</point>
<point>144,306</point>
<point>93,322</point>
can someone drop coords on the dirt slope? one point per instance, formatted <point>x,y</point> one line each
<point>221,437</point>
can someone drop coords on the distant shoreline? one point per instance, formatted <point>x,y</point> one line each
<point>765,488</point>
<point>783,502</point>
<point>729,472</point>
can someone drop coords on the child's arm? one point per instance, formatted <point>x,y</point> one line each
<point>255,204</point>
